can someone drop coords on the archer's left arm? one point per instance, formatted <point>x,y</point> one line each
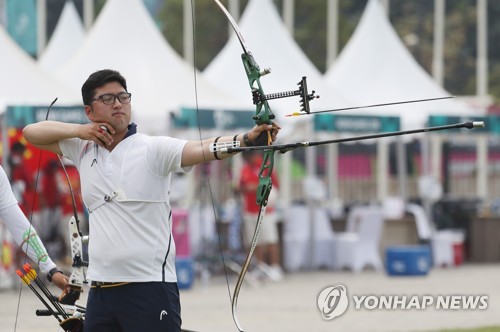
<point>196,152</point>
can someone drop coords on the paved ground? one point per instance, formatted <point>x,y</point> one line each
<point>290,305</point>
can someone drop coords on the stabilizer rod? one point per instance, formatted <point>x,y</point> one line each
<point>291,146</point>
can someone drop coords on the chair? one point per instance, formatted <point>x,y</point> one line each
<point>393,207</point>
<point>424,228</point>
<point>300,250</point>
<point>443,242</point>
<point>323,237</point>
<point>202,230</point>
<point>358,247</point>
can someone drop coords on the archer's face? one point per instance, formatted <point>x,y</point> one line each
<point>117,113</point>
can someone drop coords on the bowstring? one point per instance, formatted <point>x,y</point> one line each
<point>33,202</point>
<point>219,239</point>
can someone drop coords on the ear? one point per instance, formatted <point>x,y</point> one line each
<point>88,112</point>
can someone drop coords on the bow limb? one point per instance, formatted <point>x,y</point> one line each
<point>78,273</point>
<point>263,191</point>
<point>244,269</point>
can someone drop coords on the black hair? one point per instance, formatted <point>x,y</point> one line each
<point>98,79</point>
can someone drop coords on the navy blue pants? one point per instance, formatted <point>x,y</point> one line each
<point>148,306</point>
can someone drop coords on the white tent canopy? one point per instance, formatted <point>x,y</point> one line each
<point>125,38</point>
<point>66,39</point>
<point>375,67</point>
<point>272,46</point>
<point>22,82</point>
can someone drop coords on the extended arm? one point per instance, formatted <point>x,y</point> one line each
<point>196,152</point>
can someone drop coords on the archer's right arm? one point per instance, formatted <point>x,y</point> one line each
<point>47,134</point>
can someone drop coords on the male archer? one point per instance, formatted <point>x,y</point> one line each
<point>125,181</point>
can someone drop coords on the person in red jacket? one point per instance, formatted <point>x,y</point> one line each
<point>267,251</point>
<point>21,178</point>
<point>53,231</point>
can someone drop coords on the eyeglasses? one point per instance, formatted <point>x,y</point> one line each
<point>109,98</point>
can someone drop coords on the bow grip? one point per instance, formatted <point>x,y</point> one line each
<point>263,139</point>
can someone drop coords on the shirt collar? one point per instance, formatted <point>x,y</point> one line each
<point>132,129</point>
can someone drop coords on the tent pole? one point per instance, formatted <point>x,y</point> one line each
<point>41,26</point>
<point>438,49</point>
<point>332,31</point>
<point>482,50</point>
<point>88,14</point>
<point>288,15</point>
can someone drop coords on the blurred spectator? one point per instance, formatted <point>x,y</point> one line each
<point>21,182</point>
<point>267,251</point>
<point>50,198</point>
<point>20,178</point>
<point>67,204</point>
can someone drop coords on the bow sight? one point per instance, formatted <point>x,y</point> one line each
<point>302,91</point>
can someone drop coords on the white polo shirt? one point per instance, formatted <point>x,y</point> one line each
<point>127,194</point>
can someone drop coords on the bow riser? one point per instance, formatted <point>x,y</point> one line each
<point>77,277</point>
<point>265,182</point>
<point>263,113</point>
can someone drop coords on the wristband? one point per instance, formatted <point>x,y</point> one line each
<point>52,272</point>
<point>215,152</point>
<point>246,140</point>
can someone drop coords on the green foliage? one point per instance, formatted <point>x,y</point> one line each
<point>211,28</point>
<point>98,6</point>
<point>414,23</point>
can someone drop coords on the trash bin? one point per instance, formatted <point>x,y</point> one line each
<point>183,260</point>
